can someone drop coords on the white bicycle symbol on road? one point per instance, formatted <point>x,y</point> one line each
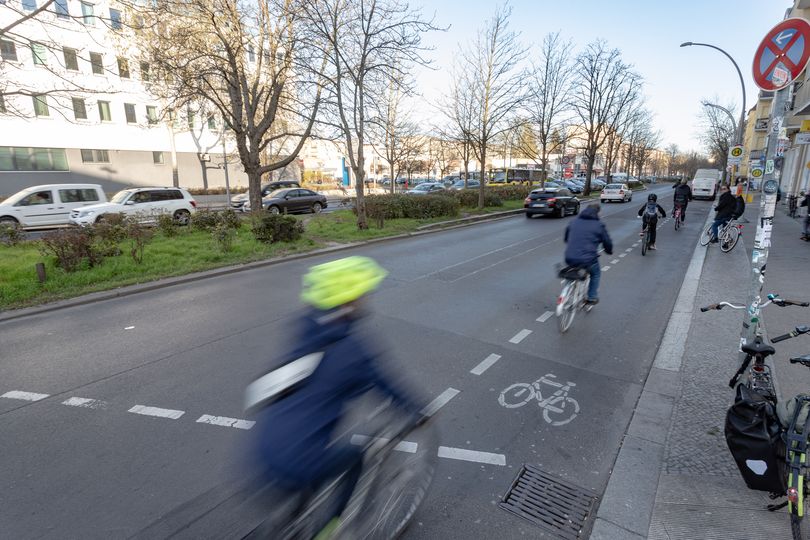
<point>558,404</point>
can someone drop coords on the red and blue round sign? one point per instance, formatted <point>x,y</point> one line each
<point>782,55</point>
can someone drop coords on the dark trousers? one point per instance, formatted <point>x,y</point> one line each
<point>652,223</point>
<point>683,209</point>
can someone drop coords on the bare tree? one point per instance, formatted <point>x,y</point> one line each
<point>607,87</point>
<point>446,154</point>
<point>548,103</point>
<point>251,63</point>
<point>496,82</point>
<point>672,153</point>
<point>370,46</point>
<point>717,132</point>
<point>457,107</point>
<point>392,130</point>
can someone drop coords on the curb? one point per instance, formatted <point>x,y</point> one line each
<point>130,290</point>
<point>626,508</point>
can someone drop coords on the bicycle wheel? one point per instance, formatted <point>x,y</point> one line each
<point>706,237</point>
<point>729,239</point>
<point>798,525</point>
<point>565,408</point>
<point>517,395</point>
<point>567,306</point>
<point>677,220</point>
<point>645,243</point>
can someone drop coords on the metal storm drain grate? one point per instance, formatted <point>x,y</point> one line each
<point>549,502</point>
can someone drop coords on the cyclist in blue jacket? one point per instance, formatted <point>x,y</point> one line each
<point>583,237</point>
<point>296,445</point>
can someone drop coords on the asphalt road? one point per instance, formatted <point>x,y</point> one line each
<point>81,459</point>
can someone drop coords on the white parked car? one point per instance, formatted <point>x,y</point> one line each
<point>146,203</point>
<point>616,192</point>
<point>48,205</point>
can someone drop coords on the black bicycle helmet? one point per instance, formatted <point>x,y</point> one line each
<point>652,197</point>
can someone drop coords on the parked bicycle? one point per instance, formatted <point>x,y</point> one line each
<point>574,294</point>
<point>727,236</point>
<point>564,408</point>
<point>768,438</point>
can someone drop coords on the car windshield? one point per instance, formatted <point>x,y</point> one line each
<point>613,186</point>
<point>19,196</point>
<point>121,196</point>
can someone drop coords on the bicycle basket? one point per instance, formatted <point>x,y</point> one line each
<point>574,273</point>
<point>753,435</point>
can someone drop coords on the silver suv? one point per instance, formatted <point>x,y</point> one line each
<point>146,203</point>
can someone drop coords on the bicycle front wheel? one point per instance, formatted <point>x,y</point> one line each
<point>706,237</point>
<point>730,239</point>
<point>645,243</point>
<point>798,524</point>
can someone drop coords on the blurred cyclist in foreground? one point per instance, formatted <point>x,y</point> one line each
<point>327,367</point>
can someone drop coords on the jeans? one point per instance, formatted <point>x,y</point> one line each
<point>807,224</point>
<point>596,274</point>
<point>652,223</point>
<point>717,224</point>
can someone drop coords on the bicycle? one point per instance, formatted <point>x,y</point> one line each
<point>677,216</point>
<point>574,294</point>
<point>791,475</point>
<point>727,235</point>
<point>558,403</point>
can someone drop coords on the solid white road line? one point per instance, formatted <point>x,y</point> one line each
<point>545,316</point>
<point>24,396</point>
<point>224,421</point>
<point>440,401</point>
<point>520,336</point>
<point>463,454</point>
<point>87,403</point>
<point>155,411</point>
<point>614,261</point>
<point>486,363</point>
<point>402,446</point>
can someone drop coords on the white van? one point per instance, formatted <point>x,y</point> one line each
<point>49,205</point>
<point>704,185</point>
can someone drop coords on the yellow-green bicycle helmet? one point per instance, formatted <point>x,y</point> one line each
<point>332,284</point>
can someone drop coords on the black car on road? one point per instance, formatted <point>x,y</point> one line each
<point>238,201</point>
<point>548,201</point>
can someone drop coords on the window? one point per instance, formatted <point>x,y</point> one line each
<point>157,158</point>
<point>151,115</point>
<point>115,19</point>
<point>61,9</point>
<point>41,105</point>
<point>104,111</point>
<point>38,51</point>
<point>39,197</point>
<point>29,5</point>
<point>95,156</point>
<point>87,14</point>
<point>123,68</point>
<point>140,197</point>
<point>97,63</point>
<point>8,50</point>
<point>32,159</point>
<point>71,59</point>
<point>251,54</point>
<point>78,195</point>
<point>144,71</point>
<point>129,111</point>
<point>212,122</point>
<point>79,109</point>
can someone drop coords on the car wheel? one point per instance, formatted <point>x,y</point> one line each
<point>576,209</point>
<point>274,210</point>
<point>316,208</point>
<point>561,212</point>
<point>528,215</point>
<point>182,217</point>
<point>8,220</point>
<point>101,219</point>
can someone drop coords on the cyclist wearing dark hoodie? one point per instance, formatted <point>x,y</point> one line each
<point>683,194</point>
<point>295,434</point>
<point>583,237</point>
<point>650,212</point>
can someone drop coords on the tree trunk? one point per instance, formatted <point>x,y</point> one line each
<point>483,176</point>
<point>255,188</point>
<point>204,168</point>
<point>360,203</point>
<point>588,173</point>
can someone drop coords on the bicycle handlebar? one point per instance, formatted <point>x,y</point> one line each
<point>713,306</point>
<point>772,299</point>
<point>799,330</point>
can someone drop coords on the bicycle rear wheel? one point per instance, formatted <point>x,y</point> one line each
<point>565,316</point>
<point>706,237</point>
<point>645,243</point>
<point>677,220</point>
<point>730,239</point>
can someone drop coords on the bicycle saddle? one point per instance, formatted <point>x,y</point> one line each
<point>574,273</point>
<point>758,348</point>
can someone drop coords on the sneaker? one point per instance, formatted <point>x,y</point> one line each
<point>592,301</point>
<point>652,246</point>
<point>714,241</point>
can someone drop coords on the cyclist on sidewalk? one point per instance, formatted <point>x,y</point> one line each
<point>725,210</point>
<point>649,213</point>
<point>683,194</point>
<point>583,237</point>
<point>295,446</point>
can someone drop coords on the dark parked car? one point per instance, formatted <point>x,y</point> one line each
<point>427,188</point>
<point>294,200</point>
<point>573,186</point>
<point>238,201</point>
<point>557,202</point>
<point>460,184</point>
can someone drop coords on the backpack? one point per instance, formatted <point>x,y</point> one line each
<point>753,435</point>
<point>739,210</point>
<point>652,209</point>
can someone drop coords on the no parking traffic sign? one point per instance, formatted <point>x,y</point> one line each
<point>782,55</point>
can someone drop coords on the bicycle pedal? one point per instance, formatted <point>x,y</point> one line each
<point>775,507</point>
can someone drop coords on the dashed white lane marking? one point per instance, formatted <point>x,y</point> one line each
<point>605,268</point>
<point>622,255</point>
<point>440,401</point>
<point>24,396</point>
<point>155,411</point>
<point>614,261</point>
<point>520,336</point>
<point>224,421</point>
<point>402,446</point>
<point>87,403</point>
<point>545,316</point>
<point>486,363</point>
<point>636,244</point>
<point>129,328</point>
<point>463,454</point>
<point>628,250</point>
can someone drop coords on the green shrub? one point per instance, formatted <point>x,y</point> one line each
<point>382,207</point>
<point>223,236</point>
<point>71,248</point>
<point>468,198</point>
<point>167,225</point>
<point>230,219</point>
<point>271,228</point>
<point>139,235</point>
<point>108,233</point>
<point>11,234</point>
<point>204,220</point>
<point>511,192</point>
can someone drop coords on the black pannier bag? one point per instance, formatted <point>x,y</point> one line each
<point>753,435</point>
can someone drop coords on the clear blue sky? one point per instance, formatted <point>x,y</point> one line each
<point>648,32</point>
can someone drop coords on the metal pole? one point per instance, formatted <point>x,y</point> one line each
<point>225,166</point>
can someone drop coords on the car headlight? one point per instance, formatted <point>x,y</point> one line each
<point>87,213</point>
